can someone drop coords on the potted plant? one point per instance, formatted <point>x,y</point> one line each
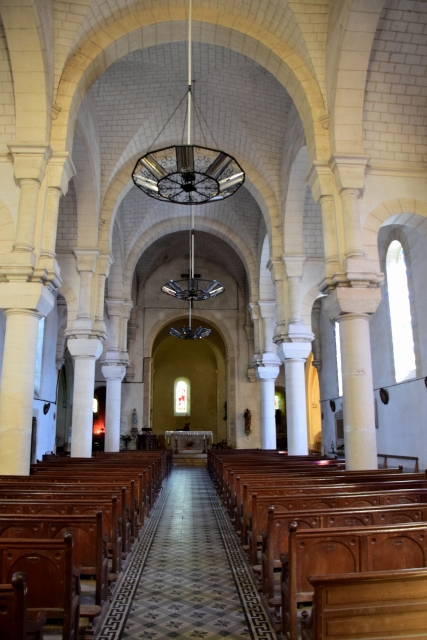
<point>126,438</point>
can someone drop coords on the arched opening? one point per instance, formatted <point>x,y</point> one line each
<point>98,408</point>
<point>280,413</point>
<point>400,313</point>
<point>314,411</point>
<point>189,384</point>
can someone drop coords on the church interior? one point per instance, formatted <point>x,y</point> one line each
<point>296,130</point>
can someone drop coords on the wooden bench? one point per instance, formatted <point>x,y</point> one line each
<point>15,623</point>
<point>275,540</point>
<point>260,505</point>
<point>340,551</point>
<point>53,581</point>
<point>89,551</point>
<point>384,605</point>
<point>109,508</point>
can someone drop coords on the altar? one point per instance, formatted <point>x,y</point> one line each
<point>197,441</point>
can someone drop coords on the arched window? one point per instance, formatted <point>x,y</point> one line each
<point>339,362</point>
<point>182,397</point>
<point>39,356</point>
<point>400,313</point>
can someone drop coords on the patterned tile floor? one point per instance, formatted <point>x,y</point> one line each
<point>187,578</point>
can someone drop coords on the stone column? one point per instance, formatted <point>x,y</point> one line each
<point>114,308</point>
<point>84,351</point>
<point>352,309</point>
<point>103,264</point>
<point>114,375</point>
<point>351,222</point>
<point>86,262</point>
<point>25,304</point>
<point>279,280</point>
<point>294,265</point>
<point>126,313</point>
<point>267,311</point>
<point>60,170</point>
<point>267,376</point>
<point>255,317</point>
<point>294,355</point>
<point>146,409</point>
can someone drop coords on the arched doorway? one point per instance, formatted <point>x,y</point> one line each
<point>314,412</point>
<point>280,413</point>
<point>202,365</point>
<point>98,436</point>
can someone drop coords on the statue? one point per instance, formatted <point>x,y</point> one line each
<point>134,430</point>
<point>248,417</point>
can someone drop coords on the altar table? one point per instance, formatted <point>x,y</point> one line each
<point>178,440</point>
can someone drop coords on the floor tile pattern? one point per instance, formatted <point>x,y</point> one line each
<point>187,578</point>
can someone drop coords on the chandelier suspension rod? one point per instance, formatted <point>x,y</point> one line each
<point>189,70</point>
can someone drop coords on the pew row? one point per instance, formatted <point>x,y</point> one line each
<point>15,624</point>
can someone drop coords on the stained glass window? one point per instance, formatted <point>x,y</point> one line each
<point>400,313</point>
<point>339,362</point>
<point>182,397</point>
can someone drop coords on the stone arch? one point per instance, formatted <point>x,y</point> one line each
<point>293,214</point>
<point>145,28</point>
<point>352,27</point>
<point>267,290</point>
<point>72,301</point>
<point>178,224</point>
<point>86,197</point>
<point>31,60</point>
<point>404,211</point>
<point>7,230</point>
<point>308,300</point>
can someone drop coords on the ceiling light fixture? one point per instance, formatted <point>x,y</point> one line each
<point>187,173</point>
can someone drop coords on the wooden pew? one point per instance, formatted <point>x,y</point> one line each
<point>384,605</point>
<point>260,506</point>
<point>89,552</point>
<point>14,621</point>
<point>275,540</point>
<point>341,551</point>
<point>53,581</point>
<point>109,508</point>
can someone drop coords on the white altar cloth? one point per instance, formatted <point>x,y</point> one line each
<point>180,439</point>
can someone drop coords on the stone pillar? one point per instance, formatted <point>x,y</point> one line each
<point>279,280</point>
<point>114,308</point>
<point>86,263</point>
<point>114,375</point>
<point>60,170</point>
<point>146,379</point>
<point>352,309</point>
<point>267,311</point>
<point>351,222</point>
<point>25,304</point>
<point>255,317</point>
<point>267,376</point>
<point>103,265</point>
<point>294,355</point>
<point>126,313</point>
<point>294,265</point>
<point>84,351</point>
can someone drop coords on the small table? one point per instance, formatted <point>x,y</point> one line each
<point>146,442</point>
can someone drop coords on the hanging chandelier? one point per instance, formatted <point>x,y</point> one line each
<point>188,333</point>
<point>186,173</point>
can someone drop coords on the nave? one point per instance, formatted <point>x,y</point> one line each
<point>187,577</point>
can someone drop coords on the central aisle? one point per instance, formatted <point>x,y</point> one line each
<point>187,578</point>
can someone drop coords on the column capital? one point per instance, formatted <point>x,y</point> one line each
<point>30,159</point>
<point>86,259</point>
<point>294,350</point>
<point>60,170</point>
<point>267,308</point>
<point>33,296</point>
<point>114,306</point>
<point>103,264</point>
<point>269,372</point>
<point>275,266</point>
<point>294,264</point>
<point>347,300</point>
<point>113,371</point>
<point>320,180</point>
<point>253,309</point>
<point>349,170</point>
<point>127,309</point>
<point>84,347</point>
